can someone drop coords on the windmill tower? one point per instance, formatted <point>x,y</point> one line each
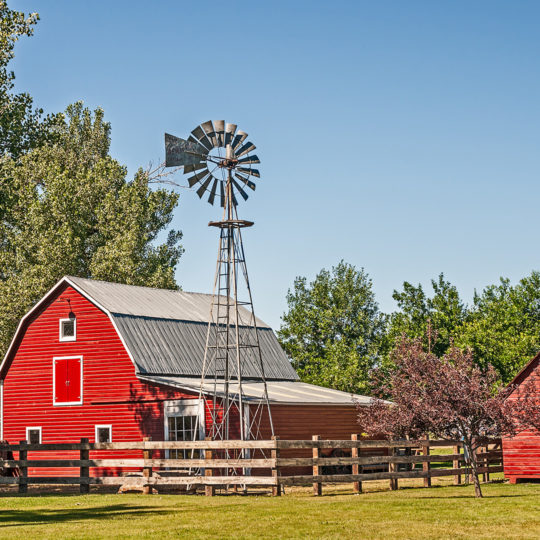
<point>220,162</point>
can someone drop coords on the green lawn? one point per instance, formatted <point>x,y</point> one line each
<point>507,511</point>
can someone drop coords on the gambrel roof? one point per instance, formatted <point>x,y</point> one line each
<point>164,331</point>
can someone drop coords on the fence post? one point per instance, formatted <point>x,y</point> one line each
<point>84,471</point>
<point>457,465</point>
<point>147,471</point>
<point>317,486</point>
<point>357,486</point>
<point>209,490</point>
<point>426,465</point>
<point>485,462</point>
<point>392,468</point>
<point>274,454</point>
<point>23,456</point>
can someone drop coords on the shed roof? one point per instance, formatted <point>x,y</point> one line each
<point>279,392</point>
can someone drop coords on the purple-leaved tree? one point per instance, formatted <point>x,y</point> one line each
<point>449,397</point>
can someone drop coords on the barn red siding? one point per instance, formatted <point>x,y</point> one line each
<point>304,421</point>
<point>521,454</point>
<point>112,394</point>
<point>301,422</point>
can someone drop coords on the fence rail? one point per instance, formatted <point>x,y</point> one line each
<point>232,463</point>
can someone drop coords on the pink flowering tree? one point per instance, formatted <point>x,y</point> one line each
<point>449,397</point>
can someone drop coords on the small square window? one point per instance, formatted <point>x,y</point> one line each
<point>68,329</point>
<point>33,435</point>
<point>103,434</point>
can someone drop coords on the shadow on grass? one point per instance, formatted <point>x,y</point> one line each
<point>19,518</point>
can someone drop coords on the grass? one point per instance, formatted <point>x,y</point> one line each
<point>507,511</point>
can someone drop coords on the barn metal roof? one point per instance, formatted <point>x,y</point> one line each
<point>150,302</point>
<point>166,346</point>
<point>165,331</point>
<point>291,392</point>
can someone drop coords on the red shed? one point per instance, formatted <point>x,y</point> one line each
<point>114,362</point>
<point>522,453</point>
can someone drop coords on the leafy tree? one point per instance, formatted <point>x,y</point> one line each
<point>333,328</point>
<point>22,127</point>
<point>421,316</point>
<point>503,328</point>
<point>69,209</point>
<point>449,397</point>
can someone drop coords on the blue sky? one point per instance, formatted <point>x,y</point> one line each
<point>399,136</point>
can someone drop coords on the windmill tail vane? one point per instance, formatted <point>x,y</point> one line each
<point>219,161</point>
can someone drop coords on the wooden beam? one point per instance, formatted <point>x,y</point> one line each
<point>317,486</point>
<point>84,471</point>
<point>357,486</point>
<point>276,488</point>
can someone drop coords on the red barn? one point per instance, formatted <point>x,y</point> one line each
<point>115,362</point>
<point>521,453</point>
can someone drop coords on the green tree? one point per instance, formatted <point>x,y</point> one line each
<point>333,328</point>
<point>443,312</point>
<point>503,328</point>
<point>69,209</point>
<point>22,127</point>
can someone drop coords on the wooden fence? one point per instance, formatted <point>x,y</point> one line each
<point>251,463</point>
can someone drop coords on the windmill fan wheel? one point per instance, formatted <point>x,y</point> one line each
<point>210,170</point>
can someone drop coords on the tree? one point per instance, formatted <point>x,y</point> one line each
<point>420,315</point>
<point>333,328</point>
<point>503,327</point>
<point>22,127</point>
<point>449,397</point>
<point>69,209</point>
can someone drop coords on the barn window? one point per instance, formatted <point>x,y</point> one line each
<point>67,380</point>
<point>68,329</point>
<point>183,428</point>
<point>104,433</point>
<point>33,435</point>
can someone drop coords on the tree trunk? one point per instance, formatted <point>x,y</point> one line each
<point>471,451</point>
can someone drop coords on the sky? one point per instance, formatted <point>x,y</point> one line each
<point>401,137</point>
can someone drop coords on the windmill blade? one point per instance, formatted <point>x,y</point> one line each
<point>208,128</point>
<point>234,200</point>
<point>246,181</point>
<point>222,195</point>
<point>229,133</point>
<point>197,177</point>
<point>204,185</point>
<point>212,195</point>
<point>249,160</point>
<point>203,140</point>
<point>239,138</point>
<point>252,172</point>
<point>219,126</point>
<point>248,147</point>
<point>195,167</point>
<point>179,152</point>
<point>199,134</point>
<point>240,190</point>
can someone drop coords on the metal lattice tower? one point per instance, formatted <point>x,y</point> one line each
<point>232,349</point>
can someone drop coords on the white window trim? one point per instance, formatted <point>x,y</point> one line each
<point>183,407</point>
<point>38,428</point>
<point>61,336</point>
<point>101,426</point>
<point>66,403</point>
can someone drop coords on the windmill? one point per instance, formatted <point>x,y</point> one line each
<point>220,163</point>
